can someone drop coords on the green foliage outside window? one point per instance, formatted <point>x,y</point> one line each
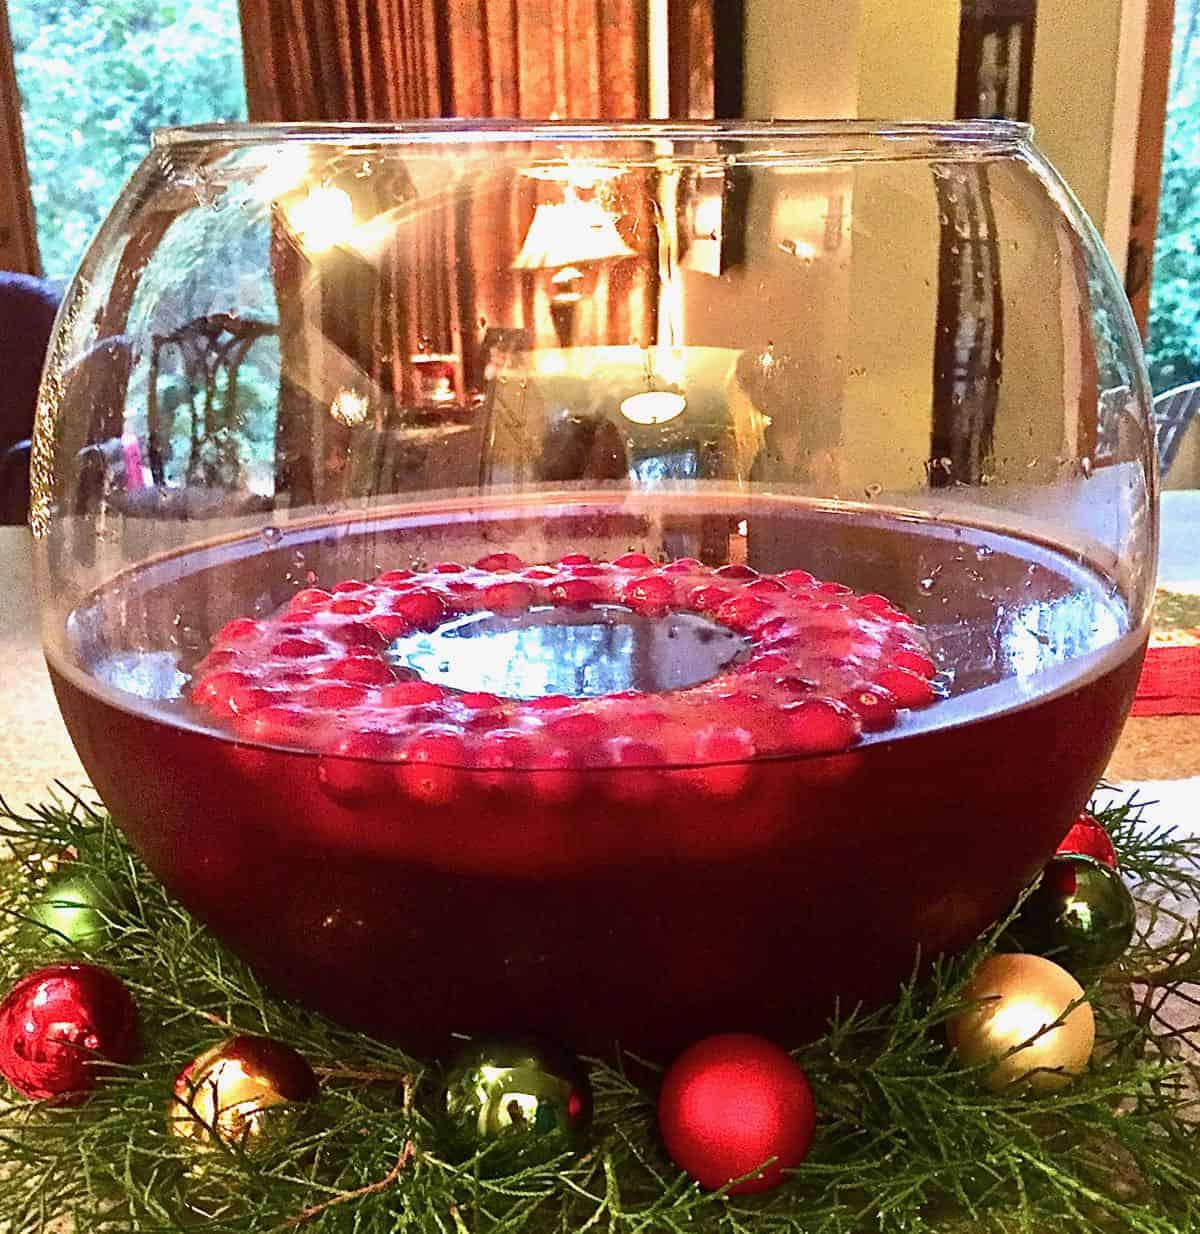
<point>1174,350</point>
<point>97,77</point>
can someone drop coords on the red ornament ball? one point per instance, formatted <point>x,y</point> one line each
<point>1088,838</point>
<point>730,1103</point>
<point>58,1023</point>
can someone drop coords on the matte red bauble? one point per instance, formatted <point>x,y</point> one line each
<point>730,1103</point>
<point>57,1027</point>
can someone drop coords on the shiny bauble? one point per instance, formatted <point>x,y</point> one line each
<point>74,909</point>
<point>59,1028</point>
<point>729,1104</point>
<point>1017,998</point>
<point>1089,839</point>
<point>1081,916</point>
<point>534,1097</point>
<point>248,1093</point>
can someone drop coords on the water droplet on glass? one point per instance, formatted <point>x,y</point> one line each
<point>270,536</point>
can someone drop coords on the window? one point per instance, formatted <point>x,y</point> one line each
<point>96,78</point>
<point>1174,347</point>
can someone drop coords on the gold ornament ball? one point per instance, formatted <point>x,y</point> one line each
<point>247,1093</point>
<point>1024,994</point>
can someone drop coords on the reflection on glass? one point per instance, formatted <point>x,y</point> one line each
<point>601,649</point>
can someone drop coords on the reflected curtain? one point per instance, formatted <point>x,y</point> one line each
<point>969,347</point>
<point>18,237</point>
<point>402,59</point>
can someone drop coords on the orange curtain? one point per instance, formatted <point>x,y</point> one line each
<point>18,237</point>
<point>406,59</point>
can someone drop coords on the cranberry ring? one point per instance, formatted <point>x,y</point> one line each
<point>819,665</point>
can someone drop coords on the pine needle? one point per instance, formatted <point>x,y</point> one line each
<point>908,1142</point>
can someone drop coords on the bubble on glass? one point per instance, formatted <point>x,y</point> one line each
<point>270,536</point>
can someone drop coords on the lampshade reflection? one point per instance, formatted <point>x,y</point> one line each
<point>324,217</point>
<point>653,407</point>
<point>568,233</point>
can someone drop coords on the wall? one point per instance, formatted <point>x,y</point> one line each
<point>1086,91</point>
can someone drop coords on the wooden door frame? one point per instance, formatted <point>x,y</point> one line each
<point>1147,169</point>
<point>18,227</point>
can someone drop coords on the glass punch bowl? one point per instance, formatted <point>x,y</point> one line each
<point>616,582</point>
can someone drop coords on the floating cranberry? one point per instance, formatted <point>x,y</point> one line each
<point>909,689</point>
<point>720,761</point>
<point>411,693</point>
<point>549,702</point>
<point>297,648</point>
<point>765,587</point>
<point>282,724</point>
<point>478,700</point>
<point>915,662</point>
<point>389,626</point>
<point>422,609</point>
<point>356,769</point>
<point>874,706</point>
<point>336,695</point>
<point>364,670</point>
<point>239,628</point>
<point>429,763</point>
<point>650,595</point>
<point>309,600</point>
<point>496,562</point>
<point>744,612</point>
<point>708,599</point>
<point>507,597</point>
<point>353,608</point>
<point>633,561</point>
<point>820,726</point>
<point>577,593</point>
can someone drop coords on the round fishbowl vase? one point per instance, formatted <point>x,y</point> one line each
<point>619,583</point>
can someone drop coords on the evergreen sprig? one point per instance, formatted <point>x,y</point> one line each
<point>907,1140</point>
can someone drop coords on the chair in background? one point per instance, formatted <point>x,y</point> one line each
<point>27,309</point>
<point>209,353</point>
<point>1174,411</point>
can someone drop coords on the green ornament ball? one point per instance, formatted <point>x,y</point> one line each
<point>535,1098</point>
<point>1081,916</point>
<point>73,910</point>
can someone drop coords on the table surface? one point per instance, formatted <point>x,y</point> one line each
<point>1160,754</point>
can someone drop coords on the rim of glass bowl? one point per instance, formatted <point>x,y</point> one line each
<point>833,138</point>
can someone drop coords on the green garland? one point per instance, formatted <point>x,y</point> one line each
<point>906,1139</point>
